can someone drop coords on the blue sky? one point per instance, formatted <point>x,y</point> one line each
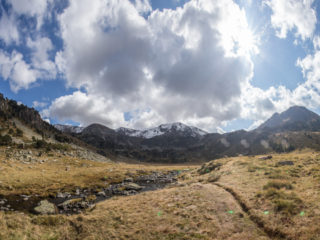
<point>217,65</point>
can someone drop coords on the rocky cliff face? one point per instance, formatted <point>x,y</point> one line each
<point>29,116</point>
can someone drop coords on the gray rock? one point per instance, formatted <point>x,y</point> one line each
<point>45,207</point>
<point>103,194</point>
<point>129,179</point>
<point>132,186</point>
<point>71,202</point>
<point>63,195</point>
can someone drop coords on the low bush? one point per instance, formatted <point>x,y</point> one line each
<point>5,140</point>
<point>19,132</point>
<point>209,167</point>
<point>278,185</point>
<point>288,207</point>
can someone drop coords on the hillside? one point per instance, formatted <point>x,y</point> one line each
<point>22,127</point>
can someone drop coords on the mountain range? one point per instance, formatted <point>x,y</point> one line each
<point>295,128</point>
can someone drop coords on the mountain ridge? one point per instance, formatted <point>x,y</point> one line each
<point>294,128</point>
<point>181,143</point>
<point>282,121</point>
<point>167,128</point>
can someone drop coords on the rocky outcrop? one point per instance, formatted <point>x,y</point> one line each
<point>30,116</point>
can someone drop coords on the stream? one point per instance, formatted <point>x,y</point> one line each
<point>82,199</point>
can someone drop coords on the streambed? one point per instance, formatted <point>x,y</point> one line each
<point>81,199</point>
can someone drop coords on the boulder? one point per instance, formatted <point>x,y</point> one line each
<point>102,194</point>
<point>45,207</point>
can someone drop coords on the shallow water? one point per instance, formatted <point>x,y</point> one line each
<point>26,204</point>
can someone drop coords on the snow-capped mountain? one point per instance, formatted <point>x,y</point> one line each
<point>128,132</point>
<point>68,128</point>
<point>170,128</point>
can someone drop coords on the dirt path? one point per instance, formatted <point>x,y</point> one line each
<point>231,215</point>
<point>270,232</point>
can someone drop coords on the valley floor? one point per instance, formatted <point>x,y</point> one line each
<point>230,198</point>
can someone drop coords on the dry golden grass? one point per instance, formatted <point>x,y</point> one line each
<point>290,194</point>
<point>195,211</point>
<point>267,201</point>
<point>63,173</point>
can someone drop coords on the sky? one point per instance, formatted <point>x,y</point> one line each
<point>217,65</point>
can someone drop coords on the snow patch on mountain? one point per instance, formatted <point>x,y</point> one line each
<point>179,128</point>
<point>69,128</point>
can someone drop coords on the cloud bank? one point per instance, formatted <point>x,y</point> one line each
<point>174,65</point>
<point>138,67</point>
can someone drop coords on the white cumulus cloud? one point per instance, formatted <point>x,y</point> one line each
<point>8,28</point>
<point>189,64</point>
<point>293,15</point>
<point>16,70</point>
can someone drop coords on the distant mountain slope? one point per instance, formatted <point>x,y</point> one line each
<point>156,144</point>
<point>176,142</point>
<point>170,128</point>
<point>296,118</point>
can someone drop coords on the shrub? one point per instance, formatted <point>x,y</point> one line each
<point>5,140</point>
<point>286,207</point>
<point>61,138</point>
<point>58,146</point>
<point>209,167</point>
<point>19,132</point>
<point>285,203</point>
<point>40,143</point>
<point>273,193</point>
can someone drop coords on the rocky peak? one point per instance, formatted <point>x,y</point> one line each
<point>295,118</point>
